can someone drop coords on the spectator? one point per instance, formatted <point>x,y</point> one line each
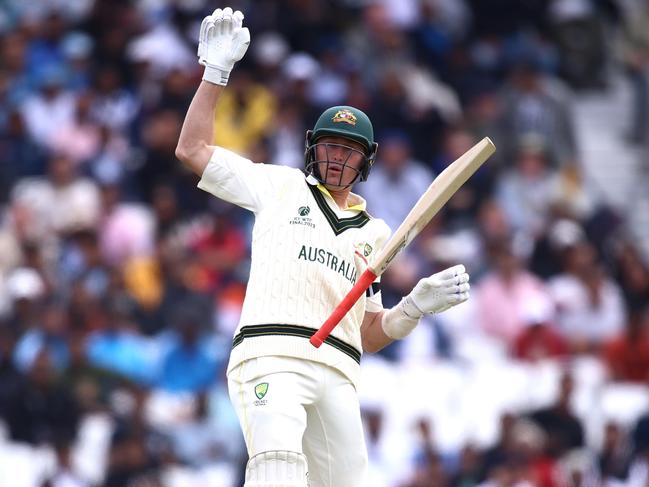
<point>42,409</point>
<point>470,468</point>
<point>397,181</point>
<point>113,106</point>
<point>14,61</point>
<point>52,107</point>
<point>219,249</point>
<point>589,302</point>
<point>65,476</point>
<point>578,468</point>
<point>287,142</point>
<point>525,191</point>
<point>166,212</point>
<point>80,140</point>
<point>539,340</point>
<point>63,202</point>
<point>429,470</point>
<point>159,130</point>
<point>465,202</point>
<point>563,429</point>
<point>530,106</point>
<point>505,446</point>
<point>632,274</point>
<point>49,338</point>
<point>10,378</point>
<point>25,288</point>
<point>245,114</point>
<point>583,64</point>
<point>127,230</point>
<point>614,455</point>
<point>373,425</point>
<point>82,264</point>
<point>204,438</point>
<point>189,363</point>
<point>573,195</point>
<point>504,293</point>
<point>119,348</point>
<point>627,355</point>
<point>639,470</point>
<point>633,51</point>
<point>136,450</point>
<point>549,248</point>
<point>92,387</point>
<point>17,145</point>
<point>45,47</point>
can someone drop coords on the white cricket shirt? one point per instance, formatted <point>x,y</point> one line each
<point>306,255</point>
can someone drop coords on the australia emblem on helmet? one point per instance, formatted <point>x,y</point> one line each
<point>345,116</point>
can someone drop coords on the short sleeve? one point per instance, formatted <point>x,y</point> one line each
<point>240,181</point>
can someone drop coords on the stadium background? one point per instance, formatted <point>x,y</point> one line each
<point>121,283</point>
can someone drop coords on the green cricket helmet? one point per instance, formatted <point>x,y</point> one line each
<point>341,121</point>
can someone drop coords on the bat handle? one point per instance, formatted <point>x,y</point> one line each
<point>365,281</point>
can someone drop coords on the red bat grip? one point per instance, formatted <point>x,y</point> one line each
<point>365,281</point>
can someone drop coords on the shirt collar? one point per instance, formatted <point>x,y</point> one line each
<point>354,201</point>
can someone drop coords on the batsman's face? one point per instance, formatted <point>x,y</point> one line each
<point>339,161</point>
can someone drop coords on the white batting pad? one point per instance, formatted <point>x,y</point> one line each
<point>277,469</point>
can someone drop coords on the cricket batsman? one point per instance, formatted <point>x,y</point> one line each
<point>312,237</point>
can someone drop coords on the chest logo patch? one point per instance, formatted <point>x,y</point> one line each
<point>367,250</point>
<point>303,217</point>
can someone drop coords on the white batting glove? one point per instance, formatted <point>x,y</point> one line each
<point>438,292</point>
<point>433,294</point>
<point>222,42</point>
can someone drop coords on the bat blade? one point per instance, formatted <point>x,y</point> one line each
<point>434,198</point>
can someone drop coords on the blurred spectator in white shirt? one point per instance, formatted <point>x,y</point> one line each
<point>589,303</point>
<point>63,202</point>
<point>113,105</point>
<point>50,108</point>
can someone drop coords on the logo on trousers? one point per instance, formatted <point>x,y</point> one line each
<point>261,390</point>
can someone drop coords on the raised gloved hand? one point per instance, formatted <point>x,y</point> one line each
<point>432,294</point>
<point>438,292</point>
<point>222,42</point>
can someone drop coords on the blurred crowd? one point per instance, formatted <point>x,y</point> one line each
<point>121,283</point>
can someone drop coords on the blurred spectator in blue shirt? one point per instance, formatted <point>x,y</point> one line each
<point>119,347</point>
<point>20,156</point>
<point>13,49</point>
<point>189,364</point>
<point>50,337</point>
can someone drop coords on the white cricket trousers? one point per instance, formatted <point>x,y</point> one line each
<point>290,404</point>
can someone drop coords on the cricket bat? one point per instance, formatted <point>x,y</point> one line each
<point>438,193</point>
